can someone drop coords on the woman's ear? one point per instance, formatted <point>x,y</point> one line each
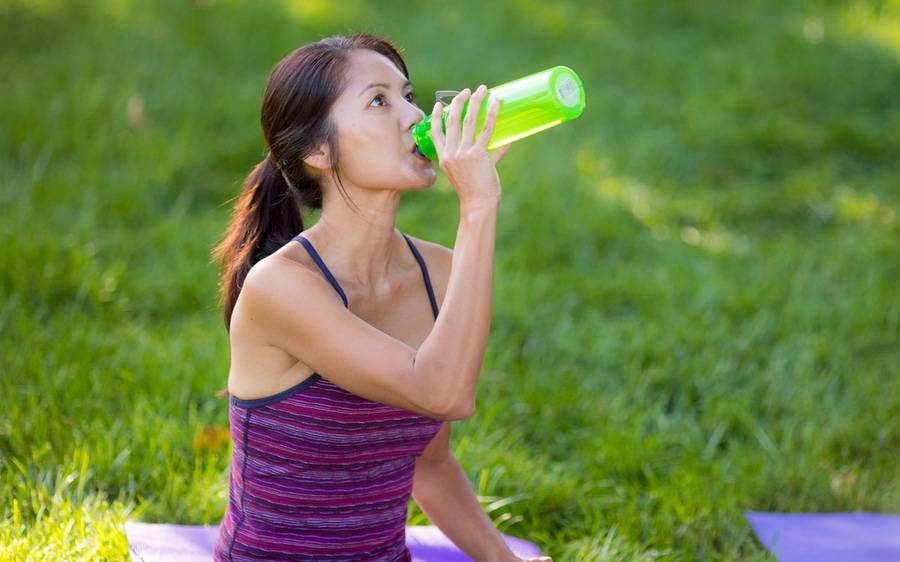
<point>319,158</point>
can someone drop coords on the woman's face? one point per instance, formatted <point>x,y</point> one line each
<point>374,124</point>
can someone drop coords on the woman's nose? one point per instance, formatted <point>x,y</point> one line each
<point>415,116</point>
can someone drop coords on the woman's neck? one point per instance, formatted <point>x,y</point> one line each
<point>360,241</point>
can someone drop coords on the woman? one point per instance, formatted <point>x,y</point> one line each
<point>344,378</point>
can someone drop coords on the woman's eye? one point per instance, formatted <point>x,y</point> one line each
<point>410,96</point>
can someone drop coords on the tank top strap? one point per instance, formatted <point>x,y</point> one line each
<point>316,258</point>
<point>424,268</point>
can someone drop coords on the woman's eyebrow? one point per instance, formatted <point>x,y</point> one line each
<point>383,85</point>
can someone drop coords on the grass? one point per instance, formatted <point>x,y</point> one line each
<point>696,309</point>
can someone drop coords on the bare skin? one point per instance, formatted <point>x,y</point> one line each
<point>360,245</point>
<point>289,322</point>
<point>365,251</point>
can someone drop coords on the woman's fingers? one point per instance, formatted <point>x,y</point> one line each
<point>490,120</point>
<point>452,139</point>
<point>437,135</point>
<point>471,118</point>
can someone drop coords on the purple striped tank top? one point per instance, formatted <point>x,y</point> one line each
<point>318,473</point>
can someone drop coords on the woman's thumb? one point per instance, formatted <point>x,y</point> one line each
<point>498,153</point>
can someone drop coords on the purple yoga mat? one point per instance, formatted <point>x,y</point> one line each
<point>829,537</point>
<point>158,542</point>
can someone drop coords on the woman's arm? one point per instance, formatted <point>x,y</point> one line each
<point>449,360</point>
<point>443,492</point>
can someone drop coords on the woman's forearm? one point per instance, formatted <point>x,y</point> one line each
<point>449,360</point>
<point>443,492</point>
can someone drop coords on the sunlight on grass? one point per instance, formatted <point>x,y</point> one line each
<point>880,25</point>
<point>323,11</point>
<point>90,529</point>
<point>44,7</point>
<point>855,206</point>
<point>647,206</point>
<point>609,546</point>
<point>716,240</point>
<point>553,17</point>
<point>118,10</point>
<point>631,194</point>
<point>560,18</point>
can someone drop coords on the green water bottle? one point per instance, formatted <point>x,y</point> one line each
<point>528,105</point>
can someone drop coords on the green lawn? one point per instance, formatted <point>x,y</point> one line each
<point>696,295</point>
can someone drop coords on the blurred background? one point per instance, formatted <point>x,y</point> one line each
<point>696,309</point>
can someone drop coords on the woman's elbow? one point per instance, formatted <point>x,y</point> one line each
<point>458,411</point>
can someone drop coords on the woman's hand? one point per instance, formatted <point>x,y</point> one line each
<point>514,558</point>
<point>467,162</point>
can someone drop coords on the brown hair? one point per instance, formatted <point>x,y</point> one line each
<point>295,119</point>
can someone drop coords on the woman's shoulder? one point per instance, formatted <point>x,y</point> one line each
<point>278,278</point>
<point>438,259</point>
<point>283,304</point>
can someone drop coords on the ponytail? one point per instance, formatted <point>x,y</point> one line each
<point>266,216</point>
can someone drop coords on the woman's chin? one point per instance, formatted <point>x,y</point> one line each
<point>426,176</point>
<point>420,186</point>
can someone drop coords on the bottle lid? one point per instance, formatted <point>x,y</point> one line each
<point>568,91</point>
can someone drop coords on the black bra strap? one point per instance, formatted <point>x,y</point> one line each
<point>434,307</point>
<point>315,256</point>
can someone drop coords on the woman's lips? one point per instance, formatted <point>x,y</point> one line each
<point>416,151</point>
